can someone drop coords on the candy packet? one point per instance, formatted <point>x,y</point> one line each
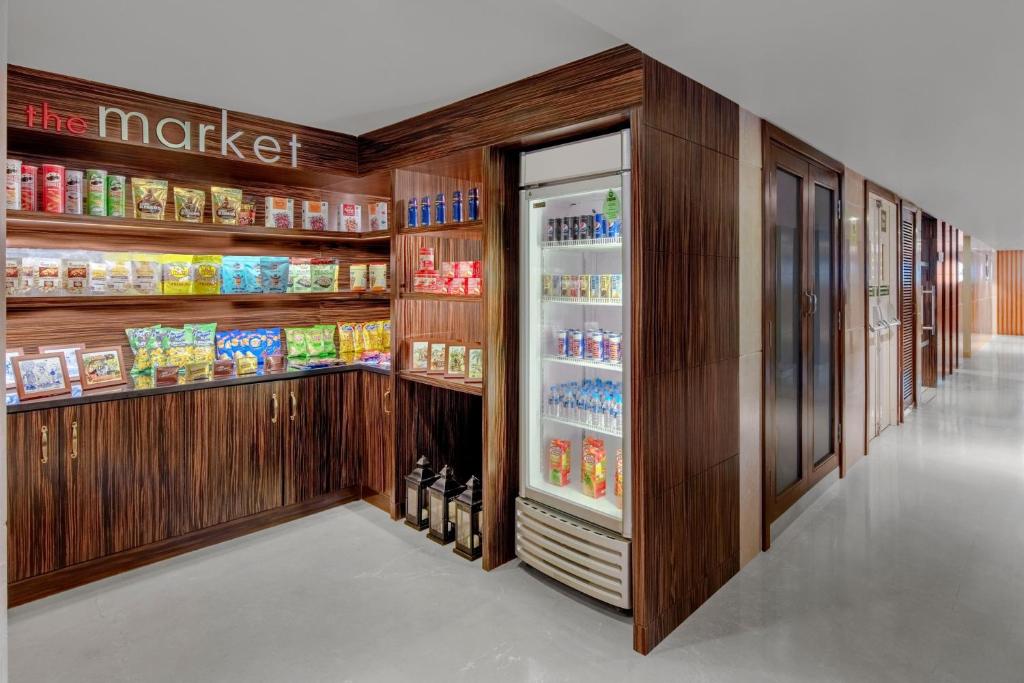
<point>226,205</point>
<point>189,205</point>
<point>149,198</point>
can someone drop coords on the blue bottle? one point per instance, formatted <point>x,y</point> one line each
<point>457,206</point>
<point>474,204</point>
<point>425,211</point>
<point>439,216</point>
<point>413,213</point>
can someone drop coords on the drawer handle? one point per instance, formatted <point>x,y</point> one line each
<point>294,406</point>
<point>273,401</point>
<point>387,401</point>
<point>45,432</point>
<point>74,439</point>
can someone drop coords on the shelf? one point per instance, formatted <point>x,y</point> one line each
<point>582,425</point>
<point>573,493</point>
<point>581,302</point>
<point>598,244</point>
<point>54,225</point>
<point>476,389</point>
<point>612,367</point>
<point>426,296</point>
<point>36,302</point>
<point>465,230</point>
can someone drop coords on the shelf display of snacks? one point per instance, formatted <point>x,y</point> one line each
<point>454,278</point>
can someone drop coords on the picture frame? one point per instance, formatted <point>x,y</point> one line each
<point>41,374</point>
<point>419,355</point>
<point>100,367</point>
<point>455,366</point>
<point>11,353</point>
<point>438,358</point>
<point>475,364</point>
<point>70,352</point>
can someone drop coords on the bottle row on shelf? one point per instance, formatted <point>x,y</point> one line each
<point>591,403</point>
<point>606,287</point>
<point>421,216</point>
<point>585,228</point>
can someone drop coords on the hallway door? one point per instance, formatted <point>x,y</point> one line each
<point>907,305</point>
<point>801,389</point>
<point>883,321</point>
<point>927,275</point>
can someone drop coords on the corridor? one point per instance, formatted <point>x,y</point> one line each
<point>910,569</point>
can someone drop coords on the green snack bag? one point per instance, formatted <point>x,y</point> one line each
<point>295,339</point>
<point>315,341</point>
<point>141,341</point>
<point>178,345</point>
<point>203,341</point>
<point>330,349</point>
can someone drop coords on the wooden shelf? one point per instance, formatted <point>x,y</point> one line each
<point>442,382</point>
<point>29,224</point>
<point>426,296</point>
<point>37,302</point>
<point>465,230</point>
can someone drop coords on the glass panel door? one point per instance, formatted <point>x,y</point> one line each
<point>788,328</point>
<point>823,324</point>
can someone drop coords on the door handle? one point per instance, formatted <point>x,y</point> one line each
<point>814,303</point>
<point>45,443</point>
<point>293,406</point>
<point>74,439</point>
<point>273,408</point>
<point>387,398</point>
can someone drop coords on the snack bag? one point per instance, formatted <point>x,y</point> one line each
<point>178,345</point>
<point>357,280</point>
<point>378,277</point>
<point>618,477</point>
<point>257,344</point>
<point>140,340</point>
<point>273,341</point>
<point>559,458</point>
<point>224,340</point>
<point>330,350</point>
<point>119,275</point>
<point>238,274</point>
<point>346,338</point>
<point>206,272</point>
<point>357,338</point>
<point>371,337</point>
<point>189,205</point>
<point>13,281</point>
<point>76,276</point>
<point>593,476</point>
<point>49,276</point>
<point>323,275</point>
<point>315,341</point>
<point>295,339</point>
<point>98,271</point>
<point>177,273</point>
<point>203,341</point>
<point>274,274</point>
<point>226,205</point>
<point>247,214</point>
<point>385,335</point>
<point>149,198</point>
<point>145,274</point>
<point>299,275</point>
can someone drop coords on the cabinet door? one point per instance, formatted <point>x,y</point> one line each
<point>233,441</point>
<point>33,491</point>
<point>321,436</point>
<point>379,434</point>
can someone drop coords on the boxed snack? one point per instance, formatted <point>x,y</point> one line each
<point>98,272</point>
<point>559,459</point>
<point>424,281</point>
<point>357,277</point>
<point>189,205</point>
<point>176,272</point>
<point>246,365</point>
<point>323,275</point>
<point>240,275</point>
<point>350,218</point>
<point>149,198</point>
<point>456,286</point>
<point>247,212</point>
<point>426,260</point>
<point>377,213</point>
<point>593,476</point>
<point>280,212</point>
<point>478,270</point>
<point>206,275</point>
<point>447,269</point>
<point>203,341</point>
<point>314,216</point>
<point>225,205</point>
<point>140,342</point>
<point>474,286</point>
<point>274,274</point>
<point>145,274</point>
<point>197,370</point>
<point>76,275</point>
<point>463,269</point>
<point>378,277</point>
<point>299,275</point>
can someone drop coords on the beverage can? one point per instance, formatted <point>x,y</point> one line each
<point>575,231</point>
<point>584,286</point>
<point>605,291</point>
<point>115,195</point>
<point>565,234</point>
<point>413,213</point>
<point>600,228</point>
<point>587,227</point>
<point>12,183</point>
<point>439,209</point>
<point>53,188</point>
<point>595,286</point>
<point>614,354</point>
<point>73,191</point>
<point>565,286</point>
<point>549,234</point>
<point>425,212</point>
<point>595,341</point>
<point>576,344</point>
<point>28,187</point>
<point>561,343</point>
<point>616,287</point>
<point>556,285</point>
<point>457,206</point>
<point>546,284</point>
<point>96,191</point>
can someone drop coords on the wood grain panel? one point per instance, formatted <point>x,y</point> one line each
<point>610,81</point>
<point>378,428</point>
<point>321,453</point>
<point>1010,286</point>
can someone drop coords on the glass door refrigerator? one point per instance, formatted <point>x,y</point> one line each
<point>573,518</point>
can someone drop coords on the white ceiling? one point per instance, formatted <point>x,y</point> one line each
<point>921,96</point>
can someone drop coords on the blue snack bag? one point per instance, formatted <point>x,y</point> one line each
<point>272,343</point>
<point>232,274</point>
<point>274,274</point>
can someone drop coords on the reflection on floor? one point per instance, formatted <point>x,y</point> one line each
<point>910,569</point>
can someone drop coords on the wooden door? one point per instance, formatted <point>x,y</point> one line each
<point>321,435</point>
<point>378,473</point>
<point>34,513</point>
<point>929,267</point>
<point>233,441</point>
<point>907,297</point>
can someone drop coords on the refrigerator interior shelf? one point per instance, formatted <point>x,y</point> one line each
<point>584,426</point>
<point>614,367</point>
<point>596,244</point>
<point>581,301</point>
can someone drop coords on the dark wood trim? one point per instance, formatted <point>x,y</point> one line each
<point>21,592</point>
<point>770,132</point>
<point>871,187</point>
<point>381,501</point>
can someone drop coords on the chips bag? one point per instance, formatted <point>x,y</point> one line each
<point>149,198</point>
<point>139,340</point>
<point>206,274</point>
<point>177,273</point>
<point>178,344</point>
<point>295,339</point>
<point>203,341</point>
<point>346,338</point>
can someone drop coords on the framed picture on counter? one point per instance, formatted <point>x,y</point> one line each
<point>456,366</point>
<point>419,356</point>
<point>70,359</point>
<point>41,374</point>
<point>11,353</point>
<point>438,358</point>
<point>475,364</point>
<point>103,367</point>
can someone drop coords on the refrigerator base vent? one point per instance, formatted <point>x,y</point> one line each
<point>584,557</point>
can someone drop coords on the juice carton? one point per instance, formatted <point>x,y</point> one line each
<point>593,467</point>
<point>559,457</point>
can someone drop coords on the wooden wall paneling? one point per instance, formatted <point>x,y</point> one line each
<point>1010,292</point>
<point>320,427</point>
<point>608,82</point>
<point>501,381</point>
<point>423,183</point>
<point>379,476</point>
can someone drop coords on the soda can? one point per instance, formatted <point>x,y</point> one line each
<point>594,344</point>
<point>615,228</point>
<point>565,234</point>
<point>600,228</point>
<point>12,182</point>
<point>425,212</point>
<point>574,233</point>
<point>73,191</point>
<point>96,191</point>
<point>587,227</point>
<point>115,195</point>
<point>595,286</point>
<point>605,292</point>
<point>584,286</point>
<point>561,343</point>
<point>439,209</point>
<point>614,348</point>
<point>574,286</point>
<point>576,344</point>
<point>53,188</point>
<point>413,213</point>
<point>556,285</point>
<point>546,284</point>
<point>28,187</point>
<point>457,206</point>
<point>549,235</point>
<point>616,287</point>
<point>565,286</point>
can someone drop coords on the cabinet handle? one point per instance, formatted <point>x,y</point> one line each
<point>387,401</point>
<point>293,406</point>
<point>45,432</point>
<point>74,439</point>
<point>273,413</point>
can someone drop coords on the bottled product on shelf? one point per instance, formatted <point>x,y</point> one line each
<point>592,402</point>
<point>582,229</point>
<point>596,345</point>
<point>582,287</point>
<point>420,214</point>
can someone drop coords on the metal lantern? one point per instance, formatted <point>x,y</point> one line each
<point>467,520</point>
<point>416,484</point>
<point>442,506</point>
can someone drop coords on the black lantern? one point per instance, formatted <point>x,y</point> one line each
<point>442,506</point>
<point>467,520</point>
<point>416,484</point>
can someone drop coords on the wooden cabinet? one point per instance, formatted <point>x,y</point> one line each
<point>379,436</point>
<point>232,443</point>
<point>34,511</point>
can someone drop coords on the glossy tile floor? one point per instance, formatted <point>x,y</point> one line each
<point>910,569</point>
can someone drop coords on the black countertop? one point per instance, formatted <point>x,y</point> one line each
<point>78,396</point>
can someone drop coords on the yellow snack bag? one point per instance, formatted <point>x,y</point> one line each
<point>346,338</point>
<point>176,270</point>
<point>206,274</point>
<point>385,335</point>
<point>371,337</point>
<point>357,338</point>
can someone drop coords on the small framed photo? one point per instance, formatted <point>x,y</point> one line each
<point>456,366</point>
<point>475,364</point>
<point>41,374</point>
<point>11,353</point>
<point>70,357</point>
<point>419,356</point>
<point>102,367</point>
<point>437,358</point>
